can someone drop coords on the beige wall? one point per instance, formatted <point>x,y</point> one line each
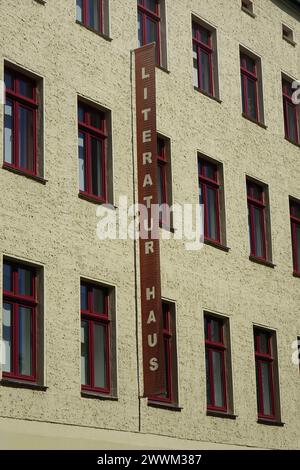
<point>50,225</point>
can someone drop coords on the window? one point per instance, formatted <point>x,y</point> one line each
<point>251,87</point>
<point>93,149</point>
<point>247,7</point>
<point>217,359</point>
<point>96,338</point>
<point>290,112</point>
<point>164,180</point>
<point>288,34</point>
<point>266,374</point>
<point>152,27</point>
<point>21,118</point>
<point>203,59</point>
<point>170,394</point>
<point>93,14</point>
<point>259,221</point>
<point>295,226</point>
<point>211,196</point>
<point>20,322</point>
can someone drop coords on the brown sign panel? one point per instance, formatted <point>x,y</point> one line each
<point>151,308</point>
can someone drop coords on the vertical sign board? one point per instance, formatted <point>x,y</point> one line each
<point>151,308</point>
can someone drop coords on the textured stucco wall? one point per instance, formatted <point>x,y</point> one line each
<point>50,225</point>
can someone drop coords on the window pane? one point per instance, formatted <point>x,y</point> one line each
<point>201,194</point>
<point>263,342</point>
<point>195,67</point>
<point>140,30</point>
<point>160,184</point>
<point>25,358</point>
<point>215,331</point>
<point>25,282</point>
<point>26,88</point>
<point>7,337</point>
<point>258,232</point>
<point>94,14</point>
<point>297,246</point>
<point>7,277</point>
<point>210,170</point>
<point>99,356</point>
<point>204,36</point>
<point>98,300</point>
<point>8,80</point>
<point>8,132</point>
<point>97,167</point>
<point>218,378</point>
<point>212,219</point>
<point>96,119</point>
<point>292,119</point>
<point>81,155</point>
<point>151,31</point>
<point>206,323</point>
<point>266,388</point>
<point>79,12</point>
<point>205,72</point>
<point>25,119</point>
<point>80,113</point>
<point>83,297</point>
<point>85,369</point>
<point>295,210</point>
<point>251,96</point>
<point>151,5</point>
<point>208,385</point>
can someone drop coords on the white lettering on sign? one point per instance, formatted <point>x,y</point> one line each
<point>146,136</point>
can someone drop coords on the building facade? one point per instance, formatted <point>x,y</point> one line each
<point>228,130</point>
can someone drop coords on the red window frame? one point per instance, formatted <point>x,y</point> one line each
<point>287,93</point>
<point>155,17</point>
<point>92,318</point>
<point>85,15</point>
<point>203,48</point>
<point>214,184</point>
<point>248,75</point>
<point>268,358</point>
<point>210,347</point>
<point>261,205</point>
<point>17,300</point>
<point>89,131</point>
<point>169,350</point>
<point>19,100</point>
<point>295,223</point>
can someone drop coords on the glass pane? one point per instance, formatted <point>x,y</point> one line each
<point>80,114</point>
<point>25,282</point>
<point>99,356</point>
<point>243,93</point>
<point>212,219</point>
<point>205,72</point>
<point>140,30</point>
<point>25,358</point>
<point>297,243</point>
<point>151,31</point>
<point>97,167</point>
<point>208,385</point>
<point>7,277</point>
<point>204,36</point>
<point>165,312</point>
<point>195,67</point>
<point>160,184</point>
<point>201,195</point>
<point>210,170</point>
<point>8,132</point>
<point>81,155</point>
<point>216,331</point>
<point>251,96</point>
<point>266,388</point>
<point>26,88</point>
<point>25,119</point>
<point>96,119</point>
<point>151,5</point>
<point>295,210</point>
<point>94,14</point>
<point>257,192</point>
<point>7,338</point>
<point>99,300</point>
<point>248,63</point>
<point>218,378</point>
<point>292,122</point>
<point>206,323</point>
<point>83,297</point>
<point>8,80</point>
<point>258,232</point>
<point>79,12</point>
<point>85,369</point>
<point>263,342</point>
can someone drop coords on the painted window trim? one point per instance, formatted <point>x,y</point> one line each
<point>207,49</point>
<point>85,17</point>
<point>253,76</point>
<point>214,184</point>
<point>262,205</point>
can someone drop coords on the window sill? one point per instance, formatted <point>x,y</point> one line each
<point>270,422</point>
<point>93,199</point>
<point>217,245</point>
<point>163,69</point>
<point>264,262</point>
<point>207,95</point>
<point>290,41</point>
<point>14,383</point>
<point>164,405</point>
<point>39,179</point>
<point>102,35</point>
<point>253,15</point>
<point>219,414</point>
<point>260,124</point>
<point>99,396</point>
<point>292,142</point>
<point>295,274</point>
